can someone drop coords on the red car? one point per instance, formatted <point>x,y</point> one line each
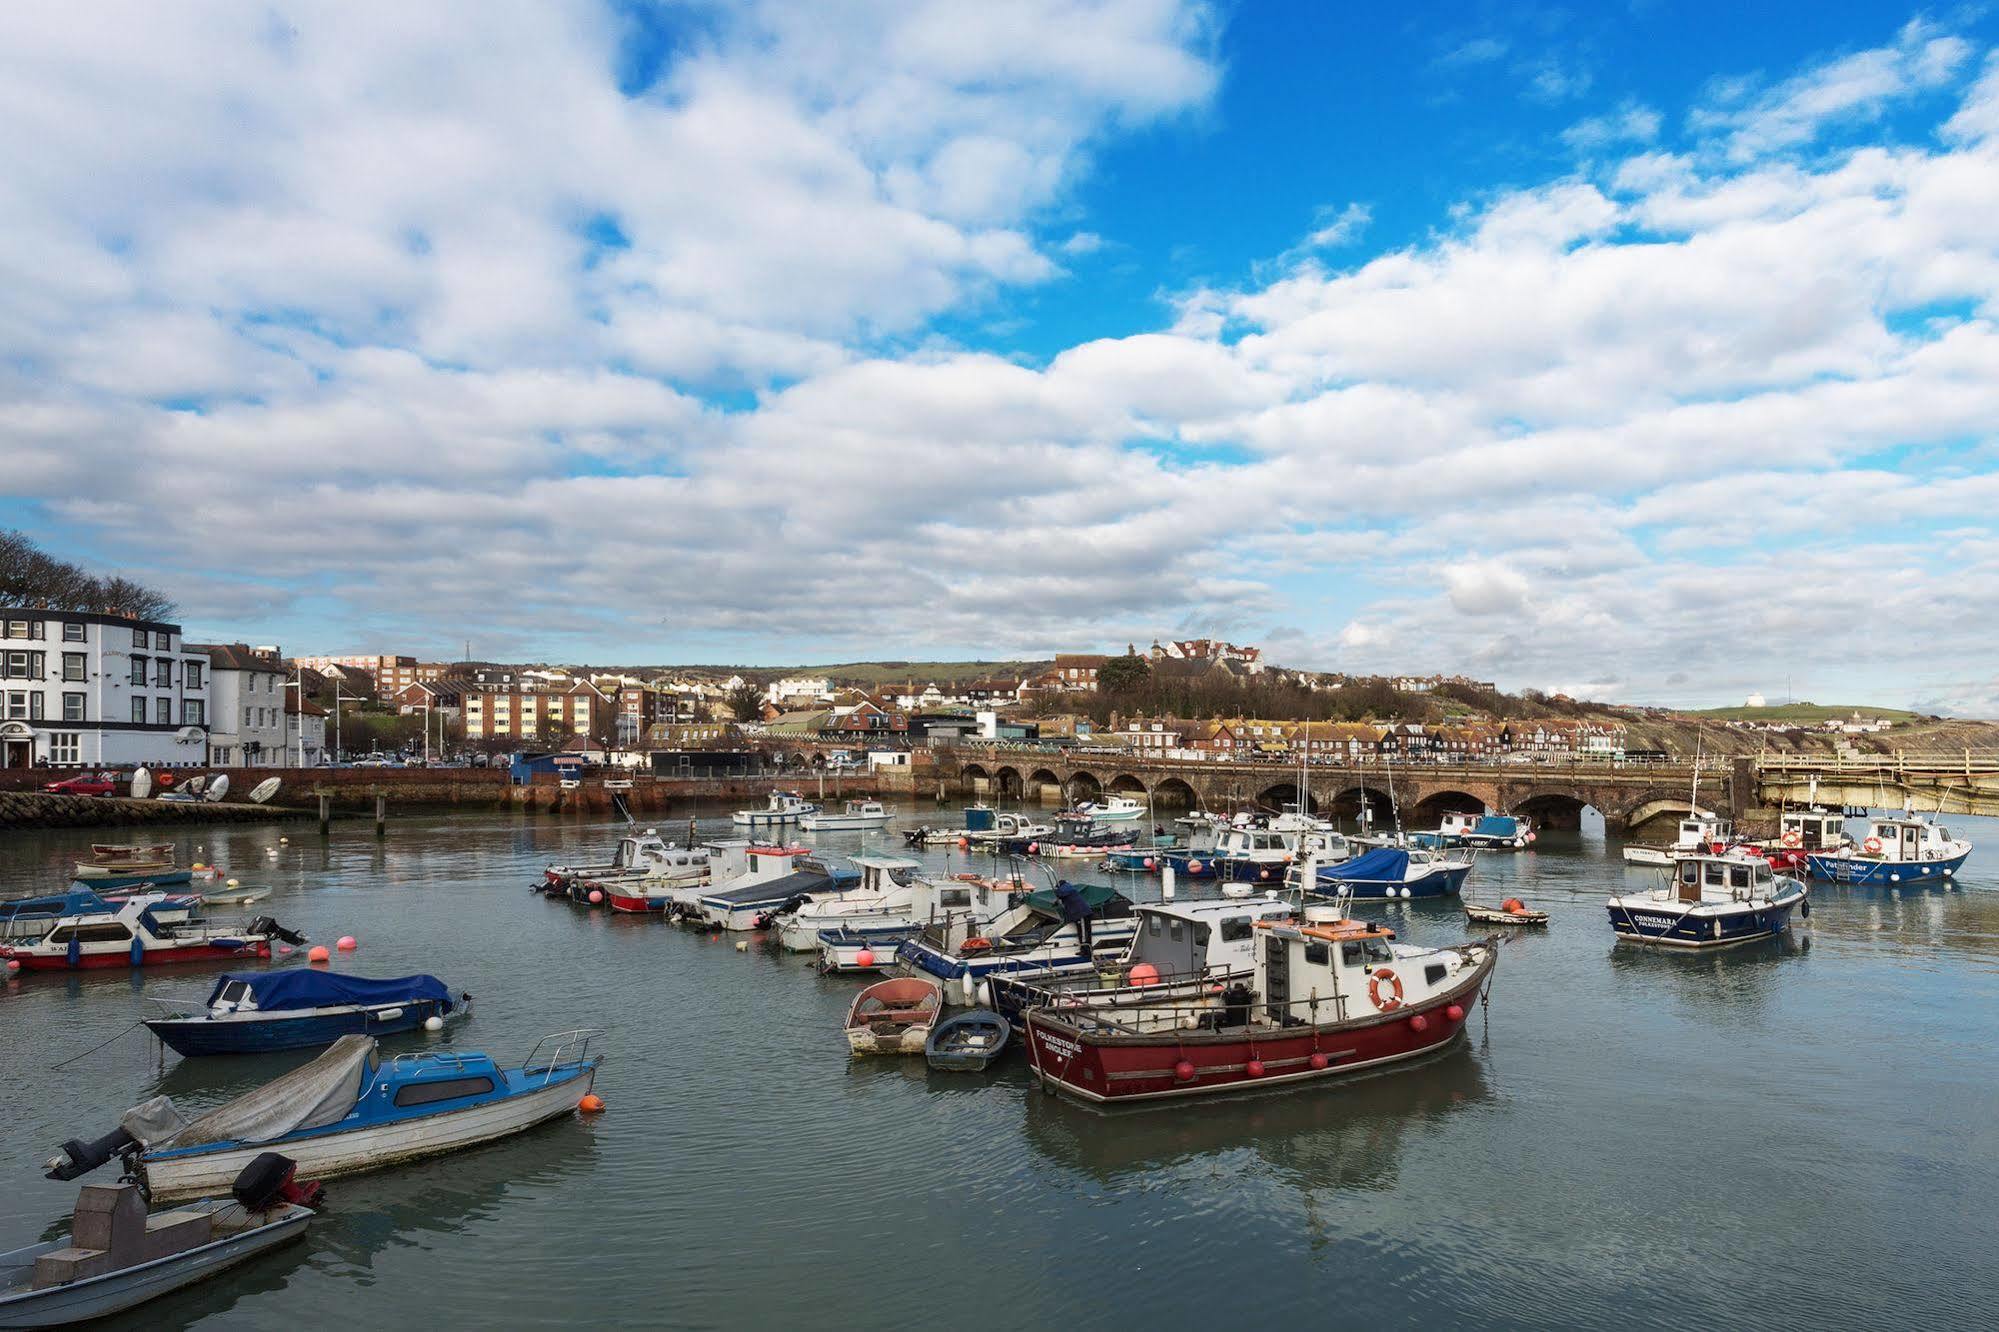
<point>100,785</point>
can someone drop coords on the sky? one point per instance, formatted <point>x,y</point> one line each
<point>1643,351</point>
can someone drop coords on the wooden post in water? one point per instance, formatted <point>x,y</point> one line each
<point>325,814</point>
<point>381,814</point>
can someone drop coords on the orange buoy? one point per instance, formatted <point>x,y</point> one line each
<point>864,958</point>
<point>319,953</point>
<point>1143,974</point>
<point>592,1104</point>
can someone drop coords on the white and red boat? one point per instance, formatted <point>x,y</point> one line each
<point>133,935</point>
<point>1327,998</point>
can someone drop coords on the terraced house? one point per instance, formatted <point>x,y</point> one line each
<point>85,690</point>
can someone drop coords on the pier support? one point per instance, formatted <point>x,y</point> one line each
<point>381,814</point>
<point>325,814</point>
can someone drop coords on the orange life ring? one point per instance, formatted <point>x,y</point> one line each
<point>1794,839</point>
<point>1394,1001</point>
<point>976,946</point>
<point>1872,846</point>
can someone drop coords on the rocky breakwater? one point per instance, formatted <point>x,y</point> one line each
<point>32,809</point>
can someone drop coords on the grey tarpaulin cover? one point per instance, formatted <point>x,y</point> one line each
<point>305,1098</point>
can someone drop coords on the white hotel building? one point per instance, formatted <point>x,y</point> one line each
<point>83,690</point>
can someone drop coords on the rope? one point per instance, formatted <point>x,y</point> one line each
<point>95,1048</point>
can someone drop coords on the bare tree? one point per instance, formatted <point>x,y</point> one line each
<point>29,577</point>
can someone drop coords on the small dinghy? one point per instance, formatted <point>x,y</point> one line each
<point>217,788</point>
<point>263,790</point>
<point>1512,911</point>
<point>968,1042</point>
<point>237,894</point>
<point>894,1016</point>
<point>117,1257</point>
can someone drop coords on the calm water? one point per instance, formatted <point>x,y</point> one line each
<point>1799,1134</point>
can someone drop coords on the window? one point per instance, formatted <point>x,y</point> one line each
<point>138,638</point>
<point>73,631</point>
<point>113,933</point>
<point>65,749</point>
<point>17,706</point>
<point>1316,954</point>
<point>15,665</point>
<point>139,709</point>
<point>138,670</point>
<point>163,673</point>
<point>1433,973</point>
<point>165,712</point>
<point>1237,928</point>
<point>72,666</point>
<point>193,713</point>
<point>246,719</point>
<point>1690,871</point>
<point>34,707</point>
<point>72,707</point>
<point>1738,876</point>
<point>192,674</point>
<point>17,628</point>
<point>445,1089</point>
<point>36,629</point>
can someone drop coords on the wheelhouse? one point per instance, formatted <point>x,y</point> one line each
<point>1722,878</point>
<point>1811,829</point>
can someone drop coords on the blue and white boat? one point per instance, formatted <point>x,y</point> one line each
<point>30,917</point>
<point>1483,832</point>
<point>735,905</point>
<point>1711,900</point>
<point>346,1112</point>
<point>1067,924</point>
<point>1908,850</point>
<point>1395,872</point>
<point>253,1011</point>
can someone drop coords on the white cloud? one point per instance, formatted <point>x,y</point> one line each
<point>1631,123</point>
<point>1340,227</point>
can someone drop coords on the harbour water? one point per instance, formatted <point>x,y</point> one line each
<point>1797,1134</point>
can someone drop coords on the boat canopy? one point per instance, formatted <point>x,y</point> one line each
<point>1497,825</point>
<point>321,1093</point>
<point>1095,896</point>
<point>1384,864</point>
<point>279,991</point>
<point>75,902</point>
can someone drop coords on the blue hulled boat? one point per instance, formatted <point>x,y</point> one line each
<point>249,1012</point>
<point>1395,871</point>
<point>1067,924</point>
<point>1711,901</point>
<point>1908,850</point>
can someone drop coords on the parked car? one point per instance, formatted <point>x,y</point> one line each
<point>103,784</point>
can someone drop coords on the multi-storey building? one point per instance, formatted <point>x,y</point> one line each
<point>84,690</point>
<point>545,715</point>
<point>247,727</point>
<point>390,673</point>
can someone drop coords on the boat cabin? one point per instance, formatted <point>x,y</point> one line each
<point>1258,844</point>
<point>1702,829</point>
<point>884,874</point>
<point>1196,938</point>
<point>1324,971</point>
<point>1812,829</point>
<point>1908,838</point>
<point>1722,878</point>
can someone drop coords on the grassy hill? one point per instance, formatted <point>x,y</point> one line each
<point>1807,713</point>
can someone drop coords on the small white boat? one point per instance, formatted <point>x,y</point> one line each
<point>859,816</point>
<point>784,807</point>
<point>1700,831</point>
<point>217,788</point>
<point>1113,809</point>
<point>263,791</point>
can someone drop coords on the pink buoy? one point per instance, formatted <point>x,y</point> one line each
<point>1455,1013</point>
<point>1034,848</point>
<point>864,958</point>
<point>347,943</point>
<point>1184,1070</point>
<point>596,897</point>
<point>1318,1061</point>
<point>1419,1023</point>
<point>284,950</point>
<point>319,954</point>
<point>964,843</point>
<point>1193,867</point>
<point>1149,863</point>
<point>1144,974</point>
<point>13,964</point>
<point>1254,1068</point>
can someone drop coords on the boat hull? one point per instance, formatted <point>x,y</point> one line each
<point>964,978</point>
<point>104,882</point>
<point>201,1036</point>
<point>329,1154</point>
<point>1106,1072</point>
<point>121,956</point>
<point>1863,870</point>
<point>129,1287</point>
<point>1651,922</point>
<point>1436,883</point>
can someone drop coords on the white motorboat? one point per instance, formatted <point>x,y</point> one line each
<point>859,816</point>
<point>1711,900</point>
<point>1113,809</point>
<point>784,807</point>
<point>1702,830</point>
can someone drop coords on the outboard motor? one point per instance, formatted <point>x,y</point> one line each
<point>268,925</point>
<point>79,1157</point>
<point>269,1181</point>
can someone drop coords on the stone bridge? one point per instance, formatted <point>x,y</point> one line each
<point>1553,795</point>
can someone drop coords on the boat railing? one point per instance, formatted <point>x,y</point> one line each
<point>567,1048</point>
<point>449,1058</point>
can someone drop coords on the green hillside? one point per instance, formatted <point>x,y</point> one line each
<point>1805,712</point>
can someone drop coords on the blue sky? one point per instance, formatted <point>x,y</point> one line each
<point>1642,351</point>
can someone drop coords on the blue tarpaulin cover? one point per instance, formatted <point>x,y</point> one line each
<point>1498,825</point>
<point>1384,864</point>
<point>277,991</point>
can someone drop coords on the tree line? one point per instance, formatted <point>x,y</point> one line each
<point>30,577</point>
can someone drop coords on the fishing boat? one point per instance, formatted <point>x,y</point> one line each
<point>346,1112</point>
<point>645,887</point>
<point>132,934</point>
<point>1481,832</point>
<point>883,894</point>
<point>635,852</point>
<point>1328,997</point>
<point>1711,900</point>
<point>121,866</point>
<point>1113,809</point>
<point>1074,838</point>
<point>1801,833</point>
<point>1911,849</point>
<point>978,819</point>
<point>967,1042</point>
<point>249,1012</point>
<point>893,1016</point>
<point>783,807</point>
<point>859,816</point>
<point>864,938</point>
<point>1008,830</point>
<point>1394,871</point>
<point>1512,912</point>
<point>1178,949</point>
<point>117,1257</point>
<point>746,903</point>
<point>1056,926</point>
<point>1702,830</point>
<point>27,918</point>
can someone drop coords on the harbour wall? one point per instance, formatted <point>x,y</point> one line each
<point>32,809</point>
